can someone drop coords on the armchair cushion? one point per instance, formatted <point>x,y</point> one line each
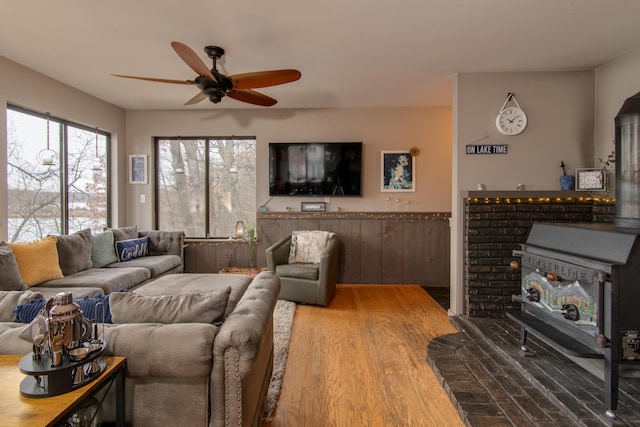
<point>307,246</point>
<point>298,270</point>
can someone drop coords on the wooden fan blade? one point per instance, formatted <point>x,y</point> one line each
<point>264,78</point>
<point>192,59</point>
<point>252,97</point>
<point>199,97</point>
<point>153,79</point>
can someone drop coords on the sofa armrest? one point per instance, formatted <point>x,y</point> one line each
<point>278,253</point>
<point>243,354</point>
<point>165,242</point>
<point>181,350</point>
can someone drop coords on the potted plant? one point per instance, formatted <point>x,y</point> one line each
<point>566,181</point>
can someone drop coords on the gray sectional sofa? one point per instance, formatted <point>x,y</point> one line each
<point>165,256</point>
<point>199,347</point>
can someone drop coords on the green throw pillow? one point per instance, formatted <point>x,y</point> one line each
<point>103,251</point>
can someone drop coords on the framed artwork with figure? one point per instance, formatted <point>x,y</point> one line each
<point>398,171</point>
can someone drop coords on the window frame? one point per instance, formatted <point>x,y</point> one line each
<point>207,176</point>
<point>63,159</point>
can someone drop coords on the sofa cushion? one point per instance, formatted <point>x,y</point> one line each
<point>103,250</point>
<point>11,299</point>
<point>37,260</point>
<point>74,252</point>
<point>298,270</point>
<point>125,233</point>
<point>308,245</point>
<point>10,278</point>
<point>175,284</point>
<point>127,250</point>
<point>157,265</point>
<point>107,279</point>
<point>187,308</point>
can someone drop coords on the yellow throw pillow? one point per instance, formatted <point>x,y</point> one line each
<point>38,260</point>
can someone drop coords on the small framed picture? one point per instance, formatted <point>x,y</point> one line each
<point>398,171</point>
<point>313,206</point>
<point>138,169</point>
<point>590,179</point>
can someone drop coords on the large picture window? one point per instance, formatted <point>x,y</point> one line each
<point>205,185</point>
<point>59,191</point>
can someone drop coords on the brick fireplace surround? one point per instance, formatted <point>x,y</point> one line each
<point>496,223</point>
<point>490,381</point>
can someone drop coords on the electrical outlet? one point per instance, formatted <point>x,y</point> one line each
<point>227,254</point>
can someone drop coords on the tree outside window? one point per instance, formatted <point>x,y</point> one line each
<point>205,185</point>
<point>67,196</point>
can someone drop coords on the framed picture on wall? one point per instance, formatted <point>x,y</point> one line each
<point>398,171</point>
<point>138,169</point>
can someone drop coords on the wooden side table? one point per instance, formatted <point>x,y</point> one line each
<point>18,410</point>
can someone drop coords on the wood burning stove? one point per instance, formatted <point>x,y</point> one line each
<point>581,282</point>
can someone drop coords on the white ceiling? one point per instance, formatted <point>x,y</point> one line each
<point>352,53</point>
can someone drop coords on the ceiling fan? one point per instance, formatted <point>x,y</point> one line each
<point>216,86</point>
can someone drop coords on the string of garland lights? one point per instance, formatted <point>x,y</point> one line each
<point>395,216</point>
<point>539,200</point>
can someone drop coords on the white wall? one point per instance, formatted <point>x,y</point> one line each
<point>560,112</point>
<point>379,129</point>
<point>615,82</point>
<point>29,89</point>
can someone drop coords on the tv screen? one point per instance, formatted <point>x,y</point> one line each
<point>315,169</point>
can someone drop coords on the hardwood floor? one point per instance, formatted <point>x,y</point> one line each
<point>362,362</point>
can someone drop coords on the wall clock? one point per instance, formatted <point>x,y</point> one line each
<point>511,120</point>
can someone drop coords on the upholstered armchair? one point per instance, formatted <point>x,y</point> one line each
<point>307,264</point>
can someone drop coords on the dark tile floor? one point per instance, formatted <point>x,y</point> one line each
<point>492,383</point>
<point>440,295</point>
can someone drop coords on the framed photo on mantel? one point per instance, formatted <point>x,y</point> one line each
<point>590,179</point>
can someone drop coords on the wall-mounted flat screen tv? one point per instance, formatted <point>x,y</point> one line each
<point>315,169</point>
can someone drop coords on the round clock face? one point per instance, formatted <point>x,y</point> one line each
<point>511,121</point>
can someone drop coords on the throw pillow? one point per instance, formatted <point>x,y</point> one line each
<point>10,279</point>
<point>74,252</point>
<point>134,248</point>
<point>308,245</point>
<point>125,233</point>
<point>103,250</point>
<point>10,299</point>
<point>37,260</point>
<point>184,308</point>
<point>95,308</point>
<point>28,311</point>
<point>30,304</point>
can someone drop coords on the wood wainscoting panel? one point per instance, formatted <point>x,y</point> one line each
<point>380,248</point>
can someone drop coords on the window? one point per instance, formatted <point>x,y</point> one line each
<point>66,194</point>
<point>205,185</point>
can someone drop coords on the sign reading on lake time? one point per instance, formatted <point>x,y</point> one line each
<point>487,149</point>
